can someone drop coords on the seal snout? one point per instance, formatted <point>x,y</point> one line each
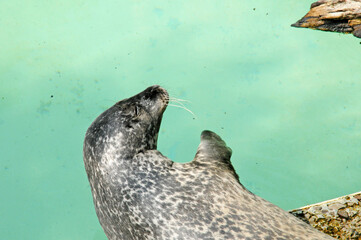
<point>159,98</point>
<point>155,91</point>
<point>154,100</point>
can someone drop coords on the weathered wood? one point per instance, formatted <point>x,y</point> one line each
<point>339,218</point>
<point>333,15</point>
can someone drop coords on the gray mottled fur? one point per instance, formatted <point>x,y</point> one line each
<point>140,194</point>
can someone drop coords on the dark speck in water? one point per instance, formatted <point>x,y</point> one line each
<point>254,9</point>
<point>52,96</point>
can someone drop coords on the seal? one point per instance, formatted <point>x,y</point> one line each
<point>140,194</point>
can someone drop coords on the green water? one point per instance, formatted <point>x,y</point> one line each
<point>286,100</point>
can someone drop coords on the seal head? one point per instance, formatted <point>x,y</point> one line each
<point>132,123</point>
<point>140,194</point>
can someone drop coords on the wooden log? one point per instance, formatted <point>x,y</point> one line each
<point>342,16</point>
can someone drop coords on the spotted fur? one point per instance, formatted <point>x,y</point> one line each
<point>140,194</point>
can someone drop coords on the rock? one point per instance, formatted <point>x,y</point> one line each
<point>336,206</point>
<point>358,196</point>
<point>342,16</point>
<point>342,213</point>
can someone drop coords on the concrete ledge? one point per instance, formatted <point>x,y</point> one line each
<point>339,217</point>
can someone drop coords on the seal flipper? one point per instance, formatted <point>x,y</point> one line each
<point>213,151</point>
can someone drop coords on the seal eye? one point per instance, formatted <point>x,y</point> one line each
<point>131,111</point>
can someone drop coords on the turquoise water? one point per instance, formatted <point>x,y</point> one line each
<point>286,100</point>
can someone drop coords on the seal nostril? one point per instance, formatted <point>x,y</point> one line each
<point>154,92</point>
<point>129,126</point>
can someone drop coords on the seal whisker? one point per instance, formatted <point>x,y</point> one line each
<point>173,105</point>
<point>180,103</point>
<point>178,99</point>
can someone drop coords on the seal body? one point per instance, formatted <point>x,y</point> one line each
<point>140,194</point>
